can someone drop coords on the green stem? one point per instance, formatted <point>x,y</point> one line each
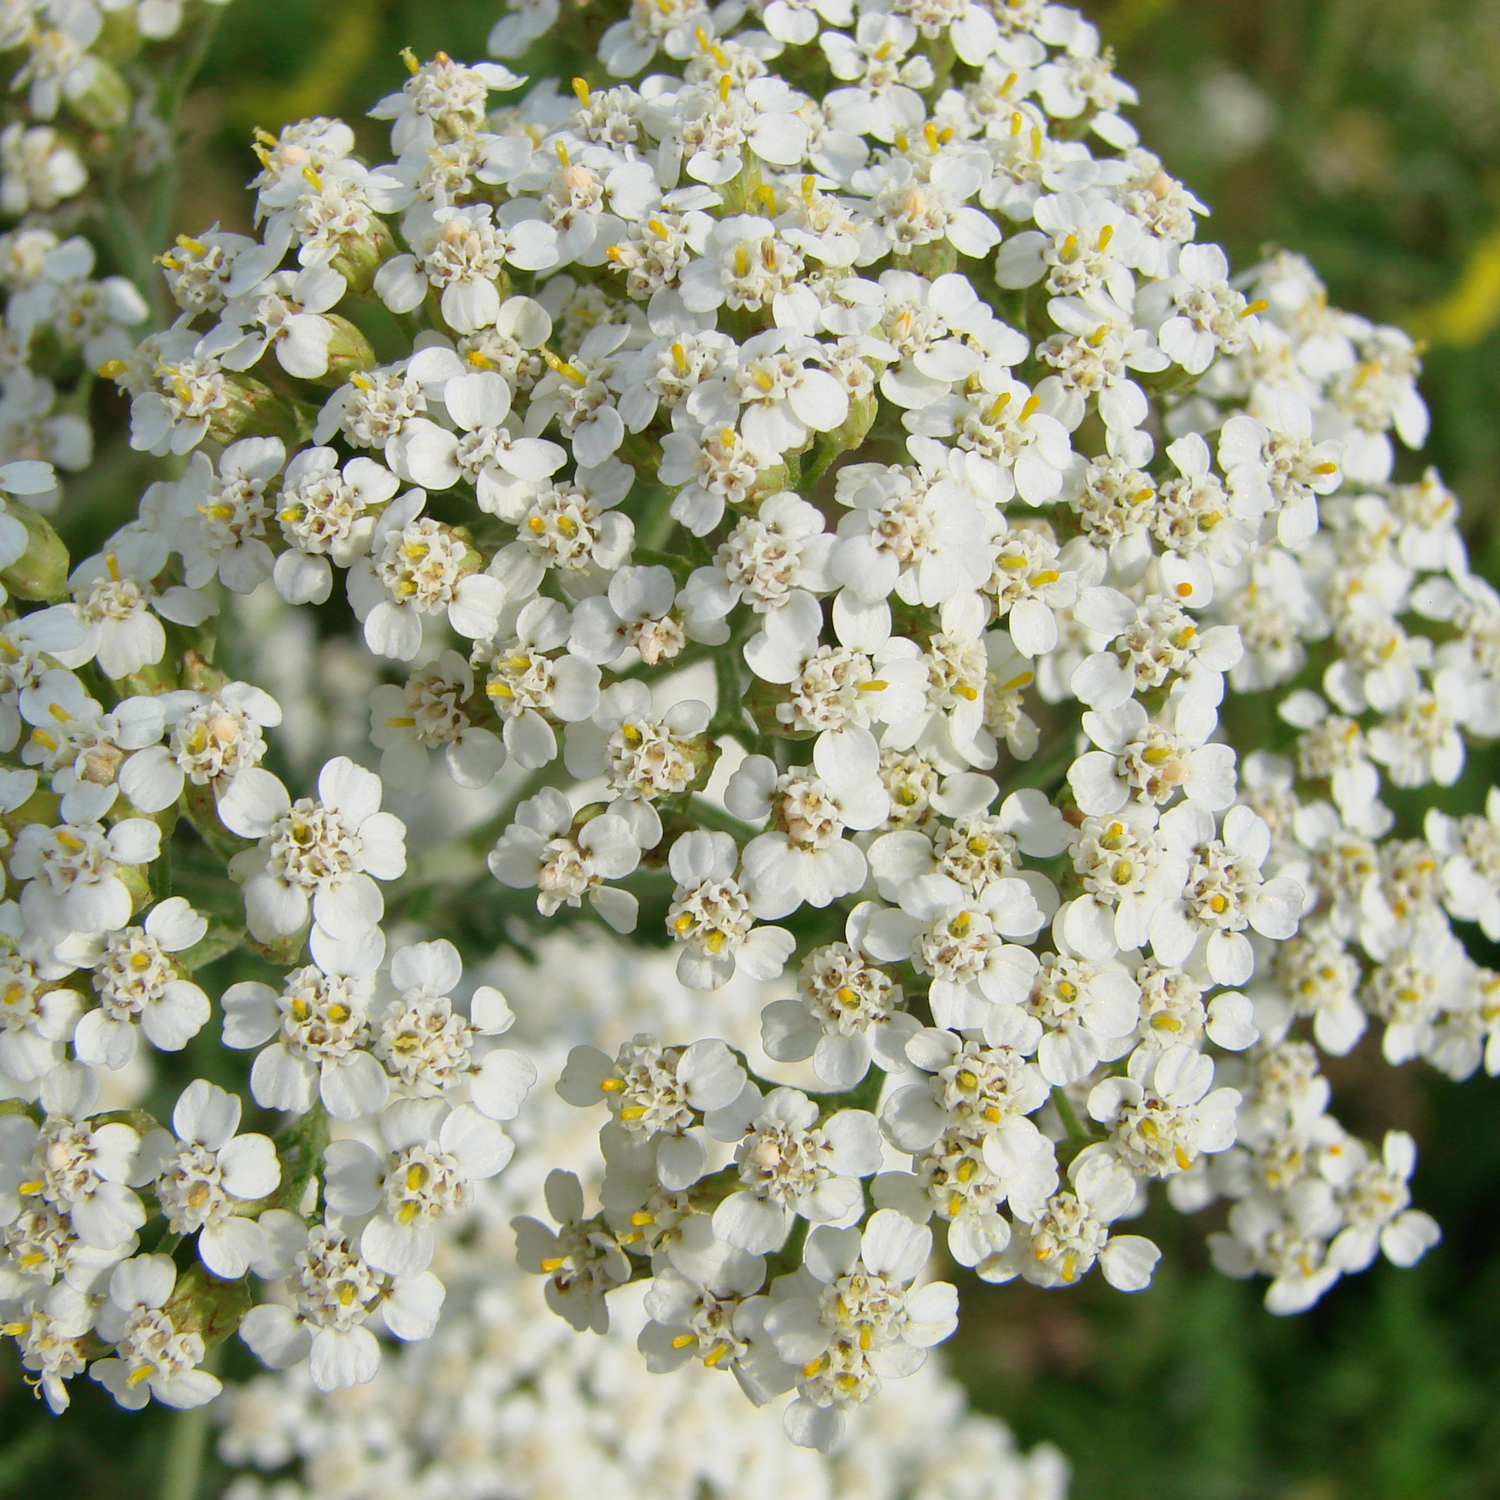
<point>710,815</point>
<point>817,466</point>
<point>1077,1135</point>
<point>300,1148</point>
<point>483,837</point>
<point>187,1446</point>
<point>135,243</point>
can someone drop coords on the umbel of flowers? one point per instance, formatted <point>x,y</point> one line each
<point>811,461</point>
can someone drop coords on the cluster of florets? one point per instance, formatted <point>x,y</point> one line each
<point>847,506</point>
<point>89,91</point>
<point>478,1408</point>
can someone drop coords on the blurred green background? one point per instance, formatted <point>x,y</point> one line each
<point>1365,133</point>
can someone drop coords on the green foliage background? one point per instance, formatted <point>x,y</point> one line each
<point>1365,133</point>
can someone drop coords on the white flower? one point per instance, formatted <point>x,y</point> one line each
<point>1224,892</point>
<point>284,313</point>
<point>846,1015</point>
<point>958,938</point>
<point>763,562</point>
<point>914,532</point>
<point>1154,644</point>
<point>139,984</point>
<point>116,606</point>
<point>430,1049</point>
<point>319,857</point>
<point>855,1319</point>
<point>1194,514</point>
<point>504,469</point>
<point>84,748</point>
<point>321,515</point>
<point>804,855</point>
<point>541,849</point>
<point>1375,1201</point>
<point>710,919</point>
<point>1161,1115</point>
<point>869,677</point>
<point>334,1293</point>
<point>1270,459</point>
<point>1008,445</point>
<point>658,1096</point>
<point>577,393</point>
<point>972,1086</point>
<point>78,1168</point>
<point>1421,741</point>
<point>51,1337</point>
<point>210,1173</point>
<point>581,1261</point>
<point>434,1153</point>
<point>222,518</point>
<point>1064,1240</point>
<point>636,614</point>
<point>418,566</point>
<point>531,691</point>
<point>38,169</point>
<point>719,1321</point>
<point>155,1355</point>
<point>441,95</point>
<point>776,396</point>
<point>1151,760</point>
<point>791,1163</point>
<point>321,1022</point>
<point>73,874</point>
<point>427,713</point>
<point>1205,315</point>
<point>1088,1012</point>
<point>914,210</point>
<point>571,527</point>
<point>35,1019</point>
<point>214,739</point>
<point>1471,871</point>
<point>885,98</point>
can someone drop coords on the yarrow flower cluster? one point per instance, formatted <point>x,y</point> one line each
<point>836,532</point>
<point>481,1406</point>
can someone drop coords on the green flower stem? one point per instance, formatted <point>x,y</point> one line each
<point>710,815</point>
<point>1078,1135</point>
<point>300,1148</point>
<point>187,1446</point>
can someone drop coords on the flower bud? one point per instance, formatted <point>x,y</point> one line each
<point>200,1303</point>
<point>105,103</point>
<point>349,352</point>
<point>41,572</point>
<point>358,258</point>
